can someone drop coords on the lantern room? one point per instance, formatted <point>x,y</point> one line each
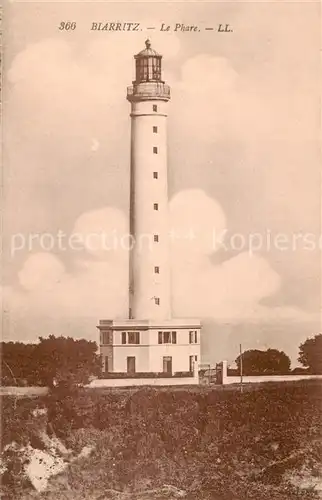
<point>148,65</point>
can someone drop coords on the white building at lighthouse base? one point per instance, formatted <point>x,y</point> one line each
<point>167,348</point>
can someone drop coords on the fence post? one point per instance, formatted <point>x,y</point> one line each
<point>241,367</point>
<point>224,365</point>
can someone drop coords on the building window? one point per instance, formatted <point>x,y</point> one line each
<point>155,108</point>
<point>157,301</point>
<point>106,338</point>
<point>155,206</point>
<point>193,337</point>
<point>155,150</point>
<point>167,337</point>
<point>156,269</point>
<point>155,130</point>
<point>106,366</point>
<point>156,238</point>
<point>133,337</point>
<point>130,337</point>
<point>155,175</point>
<point>191,363</point>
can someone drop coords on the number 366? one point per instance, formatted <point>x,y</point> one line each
<point>67,26</point>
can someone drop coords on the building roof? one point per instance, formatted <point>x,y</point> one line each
<point>148,51</point>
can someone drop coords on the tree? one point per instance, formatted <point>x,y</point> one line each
<point>310,354</point>
<point>16,362</point>
<point>270,361</point>
<point>65,361</point>
<point>60,360</point>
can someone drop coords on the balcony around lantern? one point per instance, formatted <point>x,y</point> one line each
<point>148,91</point>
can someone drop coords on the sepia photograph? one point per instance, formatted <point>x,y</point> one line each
<point>161,250</point>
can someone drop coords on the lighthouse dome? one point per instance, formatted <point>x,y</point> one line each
<point>148,51</point>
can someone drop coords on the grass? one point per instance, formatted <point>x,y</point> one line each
<point>212,444</point>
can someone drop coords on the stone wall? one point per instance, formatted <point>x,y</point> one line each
<point>253,379</point>
<point>131,382</point>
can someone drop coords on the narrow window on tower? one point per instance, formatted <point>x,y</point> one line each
<point>123,337</point>
<point>155,175</point>
<point>156,269</point>
<point>155,130</point>
<point>156,238</point>
<point>155,206</point>
<point>157,301</point>
<point>155,150</point>
<point>155,108</point>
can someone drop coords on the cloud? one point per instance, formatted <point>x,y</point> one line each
<point>41,271</point>
<point>232,289</point>
<point>103,232</point>
<point>197,221</point>
<point>225,102</point>
<point>67,95</point>
<point>206,94</point>
<point>97,284</point>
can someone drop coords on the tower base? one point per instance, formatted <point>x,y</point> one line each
<point>136,348</point>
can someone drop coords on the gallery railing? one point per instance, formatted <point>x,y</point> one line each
<point>150,90</point>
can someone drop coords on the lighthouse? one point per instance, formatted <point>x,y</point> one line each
<point>150,341</point>
<point>150,293</point>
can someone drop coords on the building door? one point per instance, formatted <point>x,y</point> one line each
<point>191,363</point>
<point>167,365</point>
<point>107,368</point>
<point>130,364</point>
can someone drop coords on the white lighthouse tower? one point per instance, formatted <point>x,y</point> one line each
<point>150,341</point>
<point>150,294</point>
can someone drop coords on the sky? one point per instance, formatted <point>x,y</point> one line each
<point>243,159</point>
